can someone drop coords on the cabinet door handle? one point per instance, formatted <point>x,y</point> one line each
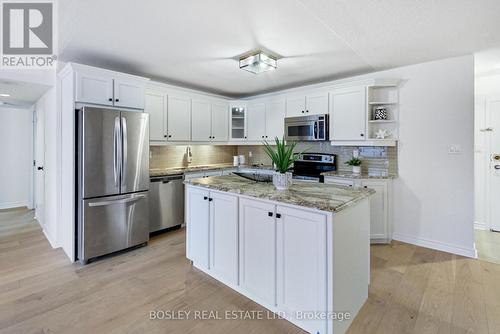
<point>302,111</point>
<point>278,215</point>
<point>110,99</point>
<point>362,134</point>
<point>210,199</point>
<point>366,186</point>
<point>205,198</point>
<point>164,136</point>
<point>270,214</point>
<point>117,100</point>
<point>169,136</point>
<point>307,110</point>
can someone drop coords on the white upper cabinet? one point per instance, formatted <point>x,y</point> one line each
<point>201,113</point>
<point>295,106</point>
<point>348,114</point>
<point>179,118</point>
<point>256,121</point>
<point>275,119</point>
<point>103,87</point>
<point>94,88</point>
<point>317,103</point>
<point>310,104</point>
<point>220,121</point>
<point>155,106</point>
<point>129,93</point>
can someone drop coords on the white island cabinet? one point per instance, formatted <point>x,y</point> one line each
<point>303,263</point>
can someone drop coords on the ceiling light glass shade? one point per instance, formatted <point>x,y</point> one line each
<point>258,63</point>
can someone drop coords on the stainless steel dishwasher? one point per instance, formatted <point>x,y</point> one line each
<point>166,202</point>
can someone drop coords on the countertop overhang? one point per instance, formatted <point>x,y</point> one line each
<point>320,196</point>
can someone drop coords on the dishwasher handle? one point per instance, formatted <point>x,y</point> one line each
<point>167,179</point>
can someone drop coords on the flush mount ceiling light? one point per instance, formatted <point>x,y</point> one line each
<point>258,62</point>
<point>4,95</point>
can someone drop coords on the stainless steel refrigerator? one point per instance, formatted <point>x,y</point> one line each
<point>113,181</point>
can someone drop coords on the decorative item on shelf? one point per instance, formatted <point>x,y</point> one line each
<point>283,159</point>
<point>356,165</point>
<point>380,113</point>
<point>382,134</point>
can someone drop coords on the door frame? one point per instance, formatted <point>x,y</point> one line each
<point>487,157</point>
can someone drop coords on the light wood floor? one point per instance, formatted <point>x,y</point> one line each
<point>488,245</point>
<point>413,290</point>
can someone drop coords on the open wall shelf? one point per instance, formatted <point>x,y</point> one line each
<point>384,98</point>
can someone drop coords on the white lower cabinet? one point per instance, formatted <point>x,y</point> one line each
<point>258,250</point>
<point>379,209</point>
<point>224,237</point>
<point>198,226</point>
<point>301,264</point>
<point>380,205</point>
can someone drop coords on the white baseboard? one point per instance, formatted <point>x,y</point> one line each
<point>480,226</point>
<point>11,205</point>
<point>51,241</point>
<point>433,244</point>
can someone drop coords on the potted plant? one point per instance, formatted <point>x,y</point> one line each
<point>283,158</point>
<point>356,165</point>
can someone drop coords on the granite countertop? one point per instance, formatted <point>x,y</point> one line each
<point>311,195</point>
<point>351,175</point>
<point>157,172</point>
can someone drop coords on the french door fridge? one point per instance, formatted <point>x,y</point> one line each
<point>113,181</point>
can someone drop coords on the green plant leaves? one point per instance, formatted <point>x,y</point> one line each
<point>282,157</point>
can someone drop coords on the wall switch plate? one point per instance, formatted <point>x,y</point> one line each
<point>454,149</point>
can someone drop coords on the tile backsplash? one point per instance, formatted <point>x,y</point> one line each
<point>175,156</point>
<point>378,160</point>
<point>375,160</point>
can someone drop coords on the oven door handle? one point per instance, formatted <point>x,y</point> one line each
<point>316,130</point>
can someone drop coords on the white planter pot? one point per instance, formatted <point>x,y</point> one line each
<point>282,180</point>
<point>356,169</point>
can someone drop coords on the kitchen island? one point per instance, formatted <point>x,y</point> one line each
<point>302,253</point>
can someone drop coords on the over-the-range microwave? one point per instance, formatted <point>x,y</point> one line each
<point>307,128</point>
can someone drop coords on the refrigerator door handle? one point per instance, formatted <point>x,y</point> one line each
<point>119,201</point>
<point>124,150</point>
<point>116,150</point>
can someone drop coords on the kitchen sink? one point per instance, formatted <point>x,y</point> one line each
<point>257,177</point>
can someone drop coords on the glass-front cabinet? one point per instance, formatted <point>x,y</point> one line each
<point>238,122</point>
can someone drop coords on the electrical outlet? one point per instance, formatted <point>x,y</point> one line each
<point>454,149</point>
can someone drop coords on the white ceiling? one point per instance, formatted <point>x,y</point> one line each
<point>197,43</point>
<point>22,94</point>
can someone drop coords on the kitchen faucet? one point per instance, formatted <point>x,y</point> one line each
<point>189,155</point>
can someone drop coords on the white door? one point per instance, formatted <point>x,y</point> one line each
<point>295,106</point>
<point>317,104</point>
<point>129,93</point>
<point>256,121</point>
<point>94,88</point>
<point>224,236</point>
<point>275,119</point>
<point>348,114</point>
<point>301,264</point>
<point>40,163</point>
<point>198,226</point>
<point>201,120</point>
<point>155,105</point>
<point>258,250</point>
<point>220,122</point>
<point>378,210</point>
<point>494,166</point>
<point>179,118</point>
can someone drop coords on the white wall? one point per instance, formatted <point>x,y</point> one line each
<point>51,165</point>
<point>434,193</point>
<point>487,86</point>
<point>16,154</point>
